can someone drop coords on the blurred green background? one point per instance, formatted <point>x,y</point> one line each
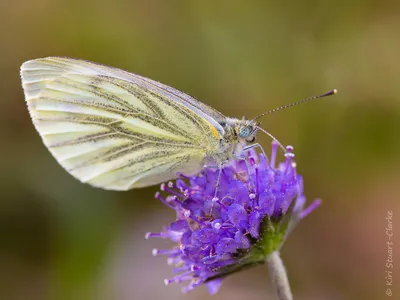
<point>60,239</point>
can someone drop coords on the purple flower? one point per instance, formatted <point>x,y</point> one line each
<point>255,209</point>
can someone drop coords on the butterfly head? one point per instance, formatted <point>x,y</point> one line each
<point>246,131</point>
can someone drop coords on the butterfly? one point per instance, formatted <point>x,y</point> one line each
<point>117,130</point>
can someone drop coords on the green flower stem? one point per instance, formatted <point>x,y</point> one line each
<point>279,277</point>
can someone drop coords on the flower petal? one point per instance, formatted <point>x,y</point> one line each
<point>213,286</point>
<point>236,214</point>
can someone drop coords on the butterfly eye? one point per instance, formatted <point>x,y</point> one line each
<point>244,131</point>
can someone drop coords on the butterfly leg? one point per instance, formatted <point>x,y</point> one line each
<point>215,198</point>
<point>218,181</point>
<point>219,167</point>
<point>246,161</point>
<point>253,146</point>
<point>247,148</point>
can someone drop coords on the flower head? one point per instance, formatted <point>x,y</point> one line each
<point>257,205</point>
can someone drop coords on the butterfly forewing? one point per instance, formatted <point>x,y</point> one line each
<point>114,129</point>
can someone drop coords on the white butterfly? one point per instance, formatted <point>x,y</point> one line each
<point>117,130</point>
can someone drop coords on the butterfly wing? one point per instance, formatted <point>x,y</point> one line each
<point>203,110</point>
<point>110,128</point>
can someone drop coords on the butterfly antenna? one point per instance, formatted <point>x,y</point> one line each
<point>272,137</point>
<point>331,92</point>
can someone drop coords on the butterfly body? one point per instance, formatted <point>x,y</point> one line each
<point>117,130</point>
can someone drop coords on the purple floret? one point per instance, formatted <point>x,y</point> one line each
<point>215,237</point>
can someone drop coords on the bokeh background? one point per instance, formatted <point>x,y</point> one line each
<point>60,239</point>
